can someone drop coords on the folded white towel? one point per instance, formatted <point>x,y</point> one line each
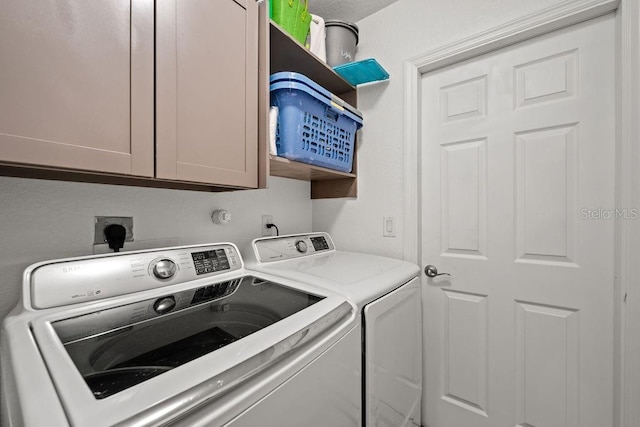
<point>273,124</point>
<point>317,36</point>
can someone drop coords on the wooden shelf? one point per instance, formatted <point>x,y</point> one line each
<point>286,168</point>
<point>286,54</point>
<point>289,55</point>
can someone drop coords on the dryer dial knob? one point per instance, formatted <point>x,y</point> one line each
<point>301,246</point>
<point>164,269</point>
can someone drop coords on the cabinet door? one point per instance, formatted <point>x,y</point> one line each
<point>76,84</point>
<point>207,91</point>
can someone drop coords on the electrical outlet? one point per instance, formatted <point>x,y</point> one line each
<point>266,219</point>
<point>103,221</point>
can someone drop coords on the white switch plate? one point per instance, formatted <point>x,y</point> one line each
<point>388,226</point>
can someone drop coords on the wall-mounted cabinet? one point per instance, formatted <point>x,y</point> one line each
<point>77,89</point>
<point>286,54</point>
<point>78,100</point>
<point>207,91</point>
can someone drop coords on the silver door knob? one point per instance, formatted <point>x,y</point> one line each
<point>432,271</point>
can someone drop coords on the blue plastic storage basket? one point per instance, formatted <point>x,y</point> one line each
<point>314,126</point>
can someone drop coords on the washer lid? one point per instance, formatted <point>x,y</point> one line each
<point>252,339</point>
<point>116,348</point>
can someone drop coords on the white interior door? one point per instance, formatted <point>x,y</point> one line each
<point>517,198</point>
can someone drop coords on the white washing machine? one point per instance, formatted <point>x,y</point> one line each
<point>177,336</point>
<point>387,293</point>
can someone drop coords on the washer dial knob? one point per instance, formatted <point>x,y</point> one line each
<point>164,269</point>
<point>301,246</point>
<point>164,305</point>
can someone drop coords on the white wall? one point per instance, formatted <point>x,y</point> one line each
<point>401,31</point>
<point>42,220</point>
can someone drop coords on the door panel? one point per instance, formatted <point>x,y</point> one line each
<point>465,351</point>
<point>517,158</point>
<point>207,91</point>
<point>464,208</point>
<point>73,76</point>
<point>547,365</point>
<point>546,192</point>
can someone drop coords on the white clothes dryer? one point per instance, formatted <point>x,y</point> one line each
<point>387,293</point>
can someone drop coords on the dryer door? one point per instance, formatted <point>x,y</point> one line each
<point>393,357</point>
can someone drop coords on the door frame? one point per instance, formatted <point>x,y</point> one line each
<point>627,232</point>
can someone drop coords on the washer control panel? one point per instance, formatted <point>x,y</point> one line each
<point>62,282</point>
<point>210,261</point>
<point>289,247</point>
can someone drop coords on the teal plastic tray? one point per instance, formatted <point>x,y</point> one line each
<point>360,72</point>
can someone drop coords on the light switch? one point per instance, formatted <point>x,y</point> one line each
<point>388,226</point>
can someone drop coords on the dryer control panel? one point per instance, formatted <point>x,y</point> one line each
<point>292,246</point>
